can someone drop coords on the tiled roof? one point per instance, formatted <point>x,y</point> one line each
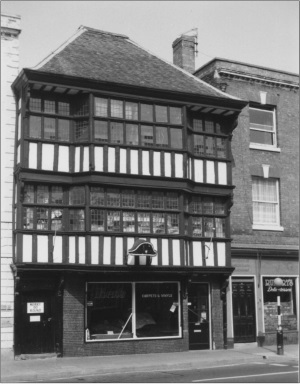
<point>103,56</point>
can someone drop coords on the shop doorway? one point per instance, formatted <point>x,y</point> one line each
<point>37,323</point>
<point>243,302</point>
<point>198,316</point>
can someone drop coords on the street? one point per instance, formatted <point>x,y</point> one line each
<point>253,372</point>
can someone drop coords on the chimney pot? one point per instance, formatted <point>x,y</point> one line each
<point>184,52</point>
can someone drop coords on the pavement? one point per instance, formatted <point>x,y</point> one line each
<point>41,369</point>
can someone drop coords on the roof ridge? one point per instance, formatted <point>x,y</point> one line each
<point>185,72</point>
<point>100,32</point>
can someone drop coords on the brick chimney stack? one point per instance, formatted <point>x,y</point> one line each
<point>184,50</point>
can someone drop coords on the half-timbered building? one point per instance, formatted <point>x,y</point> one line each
<point>122,200</point>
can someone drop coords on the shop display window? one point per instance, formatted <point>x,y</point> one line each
<point>288,304</point>
<point>132,310</point>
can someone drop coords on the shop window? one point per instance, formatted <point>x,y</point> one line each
<point>101,131</point>
<point>262,127</point>
<point>111,313</point>
<point>287,295</point>
<point>265,198</point>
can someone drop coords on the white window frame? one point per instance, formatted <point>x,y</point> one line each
<point>260,146</point>
<point>268,226</point>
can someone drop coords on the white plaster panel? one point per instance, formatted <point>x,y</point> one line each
<point>190,169</point>
<point>32,161</point>
<point>86,159</point>
<point>165,252</point>
<point>222,171</point>
<point>154,259</point>
<point>134,162</point>
<point>168,164</point>
<point>145,162</point>
<point>209,254</point>
<point>119,251</point>
<point>210,172</point>
<point>57,251</point>
<point>99,159</point>
<point>81,249</point>
<point>42,249</point>
<point>72,249</point>
<point>77,159</point>
<point>107,250</point>
<point>130,242</point>
<point>123,160</point>
<point>63,159</point>
<point>198,169</point>
<point>197,253</point>
<point>176,252</point>
<point>221,249</point>
<point>47,157</point>
<point>95,250</point>
<point>156,164</point>
<point>178,165</point>
<point>111,159</point>
<point>27,248</point>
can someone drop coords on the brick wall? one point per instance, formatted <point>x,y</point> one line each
<point>217,316</point>
<point>9,69</point>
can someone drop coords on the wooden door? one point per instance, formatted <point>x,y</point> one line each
<point>198,316</point>
<point>37,323</point>
<point>243,311</point>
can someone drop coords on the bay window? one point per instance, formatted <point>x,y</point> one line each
<point>135,310</point>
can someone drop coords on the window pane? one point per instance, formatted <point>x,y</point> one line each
<point>97,196</point>
<point>175,115</point>
<point>63,130</point>
<point>81,130</point>
<point>261,137</point>
<point>197,226</point>
<point>143,199</point>
<point>42,218</point>
<point>77,196</point>
<point>42,194</point>
<point>101,131</point>
<point>35,104</point>
<point>113,198</point>
<point>159,223</point>
<point>198,145</point>
<point>101,106</point>
<point>35,127</point>
<point>176,138</point>
<point>143,222</point>
<point>128,199</point>
<point>109,307</point>
<point>208,223</point>
<point>209,126</point>
<point>173,224</point>
<point>219,207</point>
<point>128,221</point>
<point>157,314</point>
<point>264,189</point>
<point>49,106</point>
<point>57,195</point>
<point>220,227</point>
<point>63,108</point>
<point>198,125</point>
<point>56,219</point>
<point>113,221</point>
<point>221,147</point>
<point>131,111</point>
<point>208,205</point>
<point>157,200</point>
<point>264,213</point>
<point>147,135</point>
<point>161,136</point>
<point>132,135</point>
<point>172,201</point>
<point>210,146</point>
<point>76,219</point>
<point>28,194</point>
<point>161,113</point>
<point>49,128</point>
<point>260,119</point>
<point>97,220</point>
<point>116,133</point>
<point>28,218</point>
<point>146,112</point>
<point>116,109</point>
<point>82,108</point>
<point>196,205</point>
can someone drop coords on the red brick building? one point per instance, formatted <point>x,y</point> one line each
<point>123,189</point>
<point>265,214</point>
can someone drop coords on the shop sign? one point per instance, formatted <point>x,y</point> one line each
<point>286,286</point>
<point>35,319</point>
<point>35,307</point>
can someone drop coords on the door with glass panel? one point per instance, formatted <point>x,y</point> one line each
<point>198,316</point>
